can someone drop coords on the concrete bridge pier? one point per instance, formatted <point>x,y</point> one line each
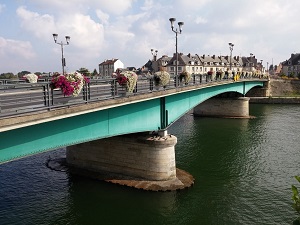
<point>140,155</point>
<point>224,107</point>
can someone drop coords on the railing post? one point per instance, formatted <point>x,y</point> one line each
<point>135,88</point>
<point>46,94</point>
<point>86,92</point>
<point>51,98</point>
<point>114,89</point>
<point>151,84</point>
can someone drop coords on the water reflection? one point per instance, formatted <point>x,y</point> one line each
<point>243,170</point>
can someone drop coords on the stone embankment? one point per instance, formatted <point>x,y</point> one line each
<point>281,91</point>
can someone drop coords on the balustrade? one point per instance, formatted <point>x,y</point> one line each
<point>18,97</point>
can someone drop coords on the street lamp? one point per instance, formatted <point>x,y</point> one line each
<point>176,31</point>
<point>63,60</point>
<point>154,53</point>
<point>230,48</point>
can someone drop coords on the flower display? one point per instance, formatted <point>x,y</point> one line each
<point>127,78</point>
<point>70,84</point>
<point>186,76</point>
<point>31,77</point>
<point>161,78</point>
<point>220,74</point>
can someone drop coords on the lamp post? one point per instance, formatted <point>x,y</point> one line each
<point>154,53</point>
<point>230,48</point>
<point>176,31</point>
<point>63,60</point>
<point>154,64</point>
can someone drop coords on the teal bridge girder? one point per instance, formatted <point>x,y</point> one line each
<point>151,114</point>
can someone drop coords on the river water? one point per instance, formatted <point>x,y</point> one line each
<point>243,170</point>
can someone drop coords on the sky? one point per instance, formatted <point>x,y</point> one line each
<point>128,29</point>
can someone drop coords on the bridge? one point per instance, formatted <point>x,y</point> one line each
<point>112,125</point>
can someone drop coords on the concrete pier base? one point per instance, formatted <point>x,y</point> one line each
<point>139,160</point>
<point>136,155</point>
<point>224,107</point>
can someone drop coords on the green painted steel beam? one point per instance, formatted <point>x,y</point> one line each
<point>147,115</point>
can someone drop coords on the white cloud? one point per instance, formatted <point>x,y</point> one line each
<point>148,5</point>
<point>16,55</point>
<point>22,49</point>
<point>200,20</point>
<point>36,23</point>
<point>115,7</point>
<point>128,29</point>
<point>102,16</point>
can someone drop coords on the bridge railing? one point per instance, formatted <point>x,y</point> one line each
<point>21,97</point>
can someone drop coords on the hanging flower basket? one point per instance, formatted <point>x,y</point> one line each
<point>185,76</point>
<point>161,78</point>
<point>70,84</point>
<point>127,79</point>
<point>31,78</point>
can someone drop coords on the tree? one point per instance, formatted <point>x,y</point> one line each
<point>84,71</point>
<point>95,73</point>
<point>21,74</point>
<point>271,68</point>
<point>6,75</point>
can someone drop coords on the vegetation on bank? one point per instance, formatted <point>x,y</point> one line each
<point>291,76</point>
<point>296,200</point>
<point>21,74</point>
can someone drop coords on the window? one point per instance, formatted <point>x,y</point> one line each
<point>179,68</point>
<point>172,68</point>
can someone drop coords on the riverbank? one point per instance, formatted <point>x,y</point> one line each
<point>275,100</point>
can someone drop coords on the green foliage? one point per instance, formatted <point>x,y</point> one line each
<point>84,71</point>
<point>296,197</point>
<point>95,73</point>
<point>282,75</point>
<point>6,75</point>
<point>292,74</point>
<point>21,74</point>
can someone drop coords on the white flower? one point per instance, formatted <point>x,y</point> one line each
<point>131,80</point>
<point>31,77</point>
<point>163,77</point>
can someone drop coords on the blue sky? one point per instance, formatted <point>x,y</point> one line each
<point>128,29</point>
